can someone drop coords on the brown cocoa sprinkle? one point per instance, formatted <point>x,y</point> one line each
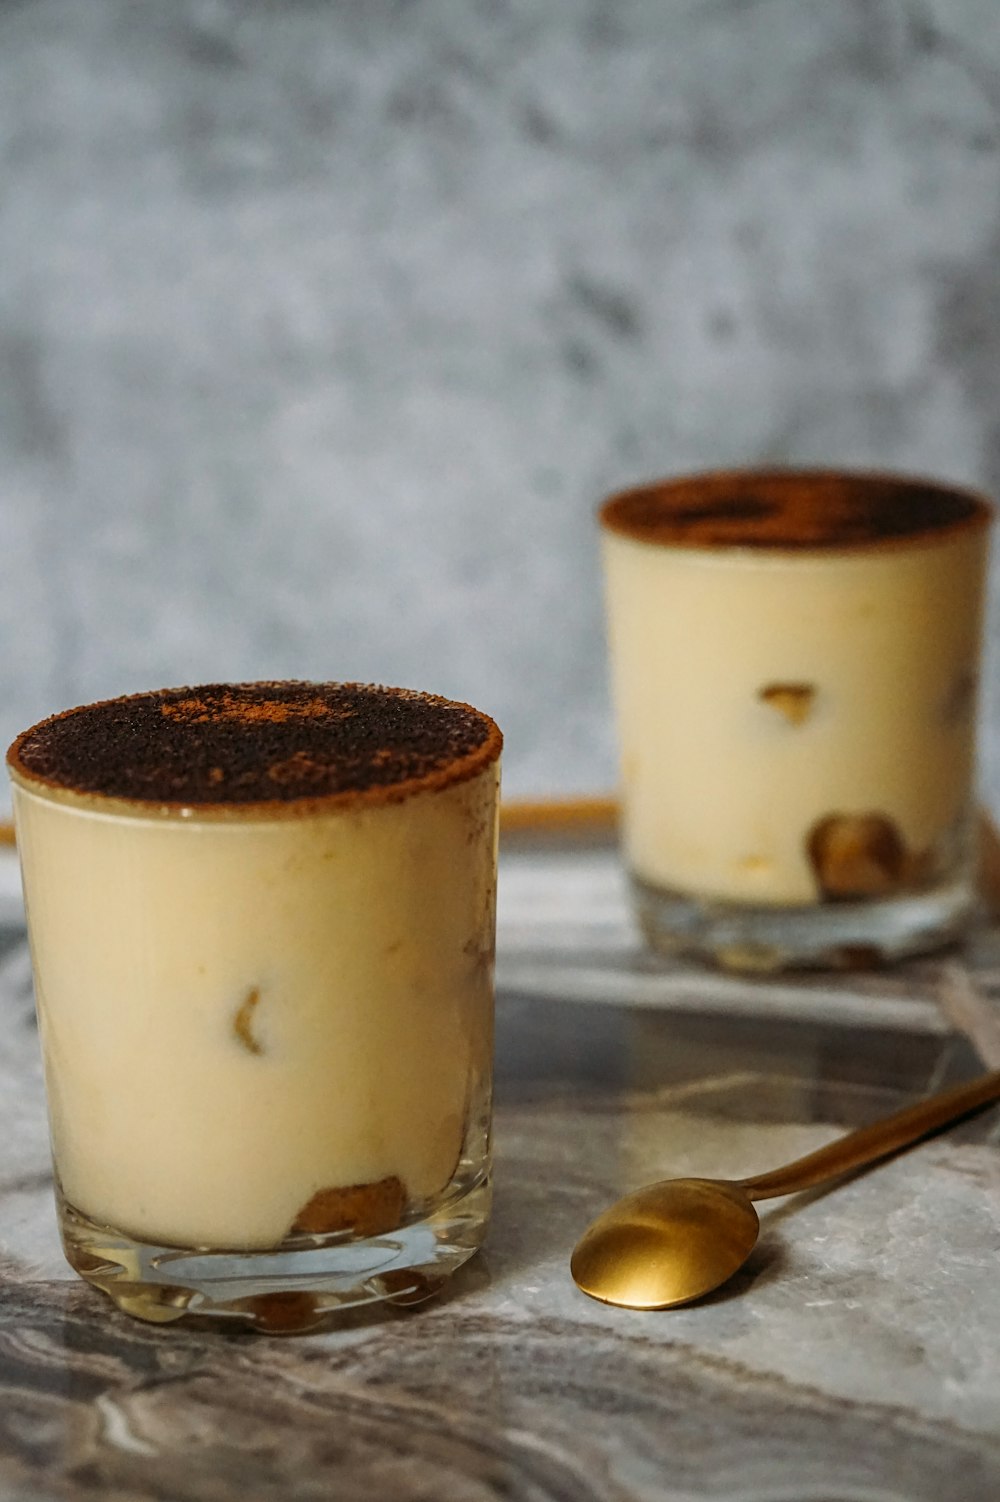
<point>793,700</point>
<point>793,509</point>
<point>857,856</point>
<point>365,1209</point>
<point>271,744</point>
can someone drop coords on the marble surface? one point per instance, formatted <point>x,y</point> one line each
<point>856,1359</point>
<point>323,325</point>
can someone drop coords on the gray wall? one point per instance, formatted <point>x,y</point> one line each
<point>324,323</point>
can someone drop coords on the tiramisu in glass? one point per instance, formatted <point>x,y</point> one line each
<point>795,660</point>
<point>261,918</point>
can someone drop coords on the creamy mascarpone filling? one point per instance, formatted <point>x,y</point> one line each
<point>759,693</point>
<point>238,1014</point>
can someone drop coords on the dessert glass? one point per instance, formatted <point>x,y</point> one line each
<point>794,659</point>
<point>261,919</point>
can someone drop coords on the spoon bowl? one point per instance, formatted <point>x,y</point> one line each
<point>666,1244</point>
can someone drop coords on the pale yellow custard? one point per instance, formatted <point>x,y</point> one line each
<point>250,1009</point>
<point>791,677</point>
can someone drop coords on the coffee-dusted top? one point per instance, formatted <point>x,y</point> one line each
<point>278,745</point>
<point>792,509</point>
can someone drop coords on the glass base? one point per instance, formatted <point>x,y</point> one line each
<point>296,1287</point>
<point>827,935</point>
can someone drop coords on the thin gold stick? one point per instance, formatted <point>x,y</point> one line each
<point>557,813</point>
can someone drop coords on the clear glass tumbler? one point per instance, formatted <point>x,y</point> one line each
<point>795,661</point>
<point>262,924</point>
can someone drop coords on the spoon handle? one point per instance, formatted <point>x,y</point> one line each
<point>875,1141</point>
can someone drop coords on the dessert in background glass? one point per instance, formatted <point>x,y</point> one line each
<point>261,919</point>
<point>795,660</point>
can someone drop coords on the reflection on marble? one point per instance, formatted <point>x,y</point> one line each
<point>856,1359</point>
<point>565,930</point>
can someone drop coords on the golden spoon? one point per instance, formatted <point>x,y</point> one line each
<point>678,1240</point>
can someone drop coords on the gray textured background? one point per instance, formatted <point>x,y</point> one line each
<point>324,323</point>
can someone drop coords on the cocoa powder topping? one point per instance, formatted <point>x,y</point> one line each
<point>792,509</point>
<point>241,744</point>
